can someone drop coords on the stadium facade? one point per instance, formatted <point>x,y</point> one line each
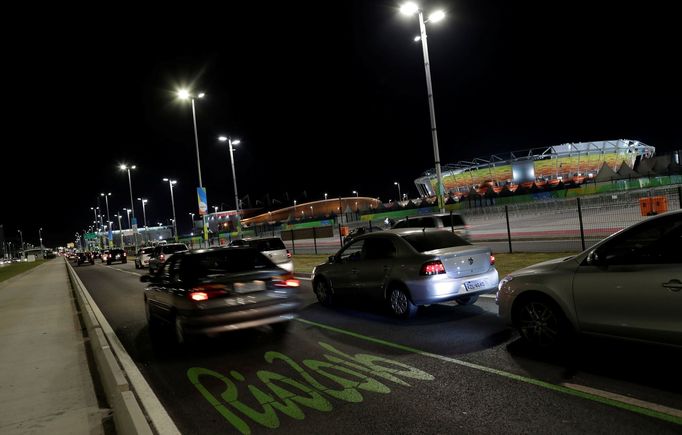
<point>571,162</point>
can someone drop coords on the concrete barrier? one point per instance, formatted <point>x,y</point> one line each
<point>136,409</point>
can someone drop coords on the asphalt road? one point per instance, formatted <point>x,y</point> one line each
<point>354,369</point>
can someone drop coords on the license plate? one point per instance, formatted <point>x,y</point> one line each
<point>475,285</point>
<point>248,287</point>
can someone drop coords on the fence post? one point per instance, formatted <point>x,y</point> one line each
<point>340,236</point>
<point>315,240</point>
<point>506,214</point>
<point>293,242</point>
<point>580,218</point>
<point>452,225</point>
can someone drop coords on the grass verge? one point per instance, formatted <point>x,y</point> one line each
<point>9,270</point>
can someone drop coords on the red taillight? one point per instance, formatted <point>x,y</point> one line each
<point>288,254</point>
<point>432,268</point>
<point>492,259</point>
<point>286,281</point>
<point>162,258</point>
<point>206,292</point>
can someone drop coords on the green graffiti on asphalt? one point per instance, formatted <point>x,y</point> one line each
<point>341,377</point>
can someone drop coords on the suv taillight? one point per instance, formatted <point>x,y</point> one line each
<point>492,259</point>
<point>432,268</point>
<point>206,292</point>
<point>288,254</point>
<point>162,258</point>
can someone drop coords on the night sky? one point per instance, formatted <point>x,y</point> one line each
<point>325,96</point>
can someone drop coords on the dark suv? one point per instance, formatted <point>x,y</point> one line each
<point>117,255</point>
<point>162,253</point>
<point>448,221</point>
<point>84,257</point>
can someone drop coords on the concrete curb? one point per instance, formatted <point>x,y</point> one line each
<point>136,409</point>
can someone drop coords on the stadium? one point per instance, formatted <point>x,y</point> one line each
<point>571,163</point>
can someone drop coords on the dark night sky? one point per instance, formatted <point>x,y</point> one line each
<point>327,97</point>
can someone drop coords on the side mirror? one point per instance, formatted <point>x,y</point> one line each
<point>146,278</point>
<point>593,258</point>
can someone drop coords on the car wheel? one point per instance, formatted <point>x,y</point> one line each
<point>466,300</point>
<point>324,293</point>
<point>541,323</point>
<point>400,303</point>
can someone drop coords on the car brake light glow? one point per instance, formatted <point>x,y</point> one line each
<point>492,259</point>
<point>432,268</point>
<point>286,281</point>
<point>162,258</point>
<point>288,254</point>
<point>207,291</point>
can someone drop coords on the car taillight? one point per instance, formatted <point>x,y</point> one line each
<point>432,268</point>
<point>162,258</point>
<point>492,259</point>
<point>288,254</point>
<point>125,255</point>
<point>286,281</point>
<point>206,292</point>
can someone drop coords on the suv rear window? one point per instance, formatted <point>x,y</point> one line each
<point>169,249</point>
<point>430,240</point>
<point>268,244</point>
<point>457,221</point>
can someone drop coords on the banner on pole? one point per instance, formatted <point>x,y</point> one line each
<point>203,202</point>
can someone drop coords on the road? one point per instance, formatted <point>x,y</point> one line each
<point>354,369</point>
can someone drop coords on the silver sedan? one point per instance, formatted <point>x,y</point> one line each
<point>629,285</point>
<point>407,268</point>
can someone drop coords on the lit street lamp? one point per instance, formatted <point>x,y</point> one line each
<point>144,217</point>
<point>127,210</point>
<point>192,227</point>
<point>132,205</point>
<point>170,185</point>
<point>120,228</point>
<point>399,195</point>
<point>184,94</point>
<point>410,9</point>
<point>325,196</point>
<point>106,199</point>
<point>231,142</point>
<point>356,193</point>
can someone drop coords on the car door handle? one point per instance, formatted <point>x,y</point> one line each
<point>673,285</point>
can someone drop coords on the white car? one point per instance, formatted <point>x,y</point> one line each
<point>142,257</point>
<point>271,247</point>
<point>629,285</point>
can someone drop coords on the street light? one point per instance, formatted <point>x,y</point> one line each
<point>40,235</point>
<point>325,196</point>
<point>399,195</point>
<point>356,193</point>
<point>231,142</point>
<point>132,205</point>
<point>144,217</point>
<point>184,94</point>
<point>106,199</point>
<point>192,227</point>
<point>127,210</point>
<point>410,9</point>
<point>170,185</point>
<point>120,228</point>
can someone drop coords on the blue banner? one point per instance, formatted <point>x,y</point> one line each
<point>203,202</point>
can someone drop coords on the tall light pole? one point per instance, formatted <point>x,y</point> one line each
<point>120,228</point>
<point>410,9</point>
<point>184,94</point>
<point>106,199</point>
<point>40,235</point>
<point>175,225</point>
<point>399,195</point>
<point>132,204</point>
<point>192,227</point>
<point>230,143</point>
<point>127,210</point>
<point>356,193</point>
<point>144,217</point>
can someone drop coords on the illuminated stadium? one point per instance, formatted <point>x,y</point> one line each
<point>567,163</point>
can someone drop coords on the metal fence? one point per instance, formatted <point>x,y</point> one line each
<point>553,225</point>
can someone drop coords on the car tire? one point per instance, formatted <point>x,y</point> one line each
<point>324,292</point>
<point>541,322</point>
<point>400,304</point>
<point>136,265</point>
<point>466,300</point>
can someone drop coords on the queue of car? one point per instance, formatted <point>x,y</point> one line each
<point>628,285</point>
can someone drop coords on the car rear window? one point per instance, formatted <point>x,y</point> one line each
<point>147,250</point>
<point>430,240</point>
<point>169,249</point>
<point>268,244</point>
<point>456,221</point>
<point>225,262</point>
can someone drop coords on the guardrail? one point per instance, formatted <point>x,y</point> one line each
<point>136,409</point>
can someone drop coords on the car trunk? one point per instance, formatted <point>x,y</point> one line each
<point>279,256</point>
<point>463,261</point>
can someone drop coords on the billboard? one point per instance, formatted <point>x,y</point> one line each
<point>203,202</point>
